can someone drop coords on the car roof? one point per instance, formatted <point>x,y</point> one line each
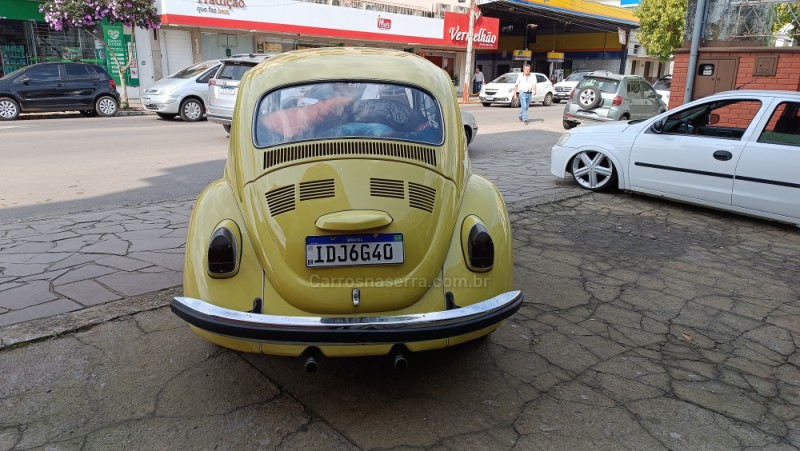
<point>754,93</point>
<point>249,58</point>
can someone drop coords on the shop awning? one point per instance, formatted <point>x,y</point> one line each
<point>580,14</point>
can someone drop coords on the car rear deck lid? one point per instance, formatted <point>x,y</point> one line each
<point>351,220</point>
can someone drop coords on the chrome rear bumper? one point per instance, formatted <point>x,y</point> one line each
<point>347,329</point>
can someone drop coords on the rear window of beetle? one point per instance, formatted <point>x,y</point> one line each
<point>348,110</point>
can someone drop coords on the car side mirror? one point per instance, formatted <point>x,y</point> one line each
<point>658,126</point>
<point>713,118</point>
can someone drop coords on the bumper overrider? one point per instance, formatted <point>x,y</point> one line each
<point>347,329</point>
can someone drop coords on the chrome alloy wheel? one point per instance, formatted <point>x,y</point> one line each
<point>192,111</point>
<point>587,97</point>
<point>593,170</point>
<point>107,106</point>
<point>8,109</point>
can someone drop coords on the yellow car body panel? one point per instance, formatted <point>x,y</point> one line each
<point>286,198</point>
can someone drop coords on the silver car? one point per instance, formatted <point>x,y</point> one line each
<point>184,92</point>
<point>602,96</point>
<point>223,87</point>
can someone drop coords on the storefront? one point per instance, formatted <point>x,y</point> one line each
<point>207,29</point>
<point>25,39</point>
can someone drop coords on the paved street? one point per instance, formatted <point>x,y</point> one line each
<point>647,325</point>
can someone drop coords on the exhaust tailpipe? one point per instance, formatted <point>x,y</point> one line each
<point>400,362</point>
<point>311,364</point>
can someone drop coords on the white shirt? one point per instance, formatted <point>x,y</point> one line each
<point>526,84</point>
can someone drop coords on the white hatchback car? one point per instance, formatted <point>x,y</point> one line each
<point>501,90</point>
<point>736,150</point>
<point>183,93</point>
<point>224,86</point>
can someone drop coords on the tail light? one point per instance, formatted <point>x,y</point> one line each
<point>571,93</point>
<point>477,245</point>
<point>212,82</point>
<point>617,101</point>
<point>224,250</point>
<point>112,84</point>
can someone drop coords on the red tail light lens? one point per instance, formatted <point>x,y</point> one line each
<point>571,93</point>
<point>112,84</point>
<point>617,101</point>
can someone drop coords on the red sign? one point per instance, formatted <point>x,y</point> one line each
<point>384,24</point>
<point>486,33</point>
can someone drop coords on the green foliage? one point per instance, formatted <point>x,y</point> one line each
<point>788,13</point>
<point>661,26</point>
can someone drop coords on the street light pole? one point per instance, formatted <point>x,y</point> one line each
<point>468,63</point>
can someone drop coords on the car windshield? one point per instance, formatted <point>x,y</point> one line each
<point>353,109</point>
<point>603,84</point>
<point>234,71</point>
<point>663,84</point>
<point>510,77</point>
<point>576,76</point>
<point>193,70</point>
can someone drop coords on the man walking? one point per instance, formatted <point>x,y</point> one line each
<point>525,87</point>
<point>477,80</point>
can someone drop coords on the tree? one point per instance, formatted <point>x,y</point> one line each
<point>89,15</point>
<point>661,26</point>
<point>788,14</point>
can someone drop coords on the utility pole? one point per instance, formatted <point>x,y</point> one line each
<point>468,64</point>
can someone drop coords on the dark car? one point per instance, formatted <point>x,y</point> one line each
<point>58,87</point>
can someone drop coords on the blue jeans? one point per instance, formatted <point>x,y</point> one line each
<point>524,101</point>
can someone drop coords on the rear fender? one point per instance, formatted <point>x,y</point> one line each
<point>215,204</point>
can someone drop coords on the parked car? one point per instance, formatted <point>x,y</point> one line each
<point>501,90</point>
<point>47,87</point>
<point>662,87</point>
<point>603,96</point>
<point>185,92</point>
<point>564,88</point>
<point>222,88</point>
<point>347,223</point>
<point>470,125</point>
<point>737,151</point>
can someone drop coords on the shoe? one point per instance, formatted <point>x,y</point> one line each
<point>520,118</point>
<point>525,122</point>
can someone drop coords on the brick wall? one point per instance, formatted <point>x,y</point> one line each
<point>787,76</point>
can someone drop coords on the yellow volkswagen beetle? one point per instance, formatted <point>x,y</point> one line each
<point>347,222</point>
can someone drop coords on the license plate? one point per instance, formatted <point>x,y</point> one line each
<point>145,99</point>
<point>229,91</point>
<point>354,250</point>
<point>488,98</point>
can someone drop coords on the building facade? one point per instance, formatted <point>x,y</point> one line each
<point>194,31</point>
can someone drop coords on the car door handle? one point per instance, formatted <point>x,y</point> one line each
<point>723,155</point>
<point>59,85</point>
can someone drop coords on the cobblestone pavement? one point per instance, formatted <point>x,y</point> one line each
<point>67,263</point>
<point>646,325</point>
